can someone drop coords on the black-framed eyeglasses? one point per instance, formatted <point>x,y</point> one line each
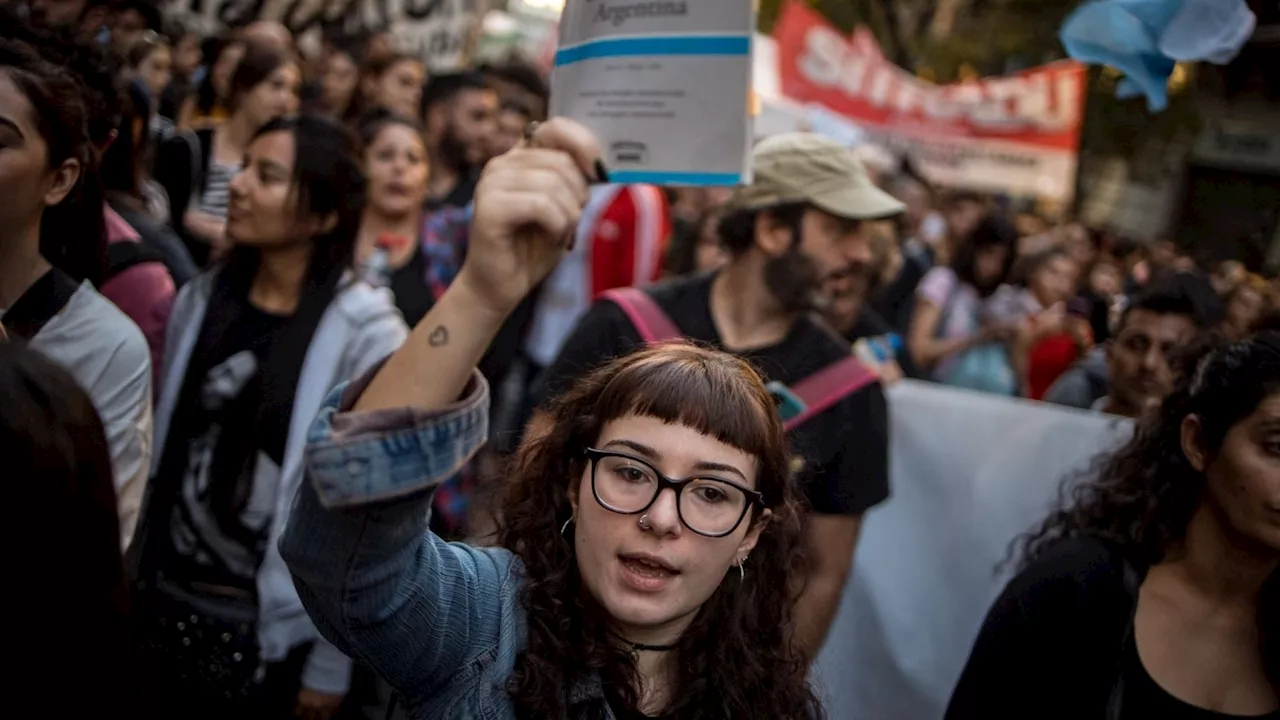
<point>708,506</point>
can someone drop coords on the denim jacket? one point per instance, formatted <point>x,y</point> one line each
<point>441,622</point>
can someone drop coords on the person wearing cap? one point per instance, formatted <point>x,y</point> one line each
<point>793,234</point>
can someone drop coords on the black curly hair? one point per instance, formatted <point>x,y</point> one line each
<point>736,660</point>
<point>1140,498</point>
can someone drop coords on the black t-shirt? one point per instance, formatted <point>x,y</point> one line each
<point>1144,698</point>
<point>460,196</point>
<point>1053,645</point>
<point>413,297</point>
<point>845,448</point>
<point>896,300</point>
<point>208,547</point>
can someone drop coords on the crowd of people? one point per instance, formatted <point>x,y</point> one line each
<point>350,388</point>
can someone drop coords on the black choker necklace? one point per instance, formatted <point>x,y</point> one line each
<point>641,647</point>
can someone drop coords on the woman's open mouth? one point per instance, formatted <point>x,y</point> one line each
<point>646,573</point>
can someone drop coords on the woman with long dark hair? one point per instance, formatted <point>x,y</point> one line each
<point>196,168</point>
<point>52,251</point>
<point>207,106</point>
<point>340,81</point>
<point>75,601</point>
<point>950,337</point>
<point>649,542</point>
<point>253,347</point>
<point>392,83</point>
<point>186,55</point>
<point>1052,334</point>
<point>1154,592</point>
<point>395,162</point>
<point>136,197</point>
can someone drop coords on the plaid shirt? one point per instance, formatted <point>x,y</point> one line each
<point>444,246</point>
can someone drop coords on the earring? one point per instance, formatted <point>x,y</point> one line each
<point>565,526</point>
<point>742,573</point>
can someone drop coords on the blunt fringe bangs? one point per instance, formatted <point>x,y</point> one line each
<point>679,383</point>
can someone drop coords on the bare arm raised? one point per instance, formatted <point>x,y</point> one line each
<point>527,206</point>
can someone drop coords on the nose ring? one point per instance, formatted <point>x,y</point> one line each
<point>644,522</point>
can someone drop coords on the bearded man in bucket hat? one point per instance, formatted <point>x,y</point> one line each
<point>793,234</point>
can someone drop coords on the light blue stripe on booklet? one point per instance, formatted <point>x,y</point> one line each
<point>657,45</point>
<point>658,177</point>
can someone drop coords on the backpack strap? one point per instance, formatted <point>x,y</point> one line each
<point>123,255</point>
<point>646,317</point>
<point>829,386</point>
<point>39,304</point>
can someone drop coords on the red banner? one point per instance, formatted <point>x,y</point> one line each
<point>1041,106</point>
<point>975,131</point>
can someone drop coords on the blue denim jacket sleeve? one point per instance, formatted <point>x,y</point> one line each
<point>377,583</point>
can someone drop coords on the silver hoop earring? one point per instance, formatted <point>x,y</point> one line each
<point>742,573</point>
<point>565,526</point>
<point>644,522</point>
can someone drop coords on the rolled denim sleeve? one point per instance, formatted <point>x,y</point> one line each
<point>354,458</point>
<point>376,582</point>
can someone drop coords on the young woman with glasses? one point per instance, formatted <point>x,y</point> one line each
<point>649,542</point>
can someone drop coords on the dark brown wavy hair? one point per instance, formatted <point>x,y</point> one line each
<point>736,659</point>
<point>1140,498</point>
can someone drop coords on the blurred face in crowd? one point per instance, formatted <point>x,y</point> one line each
<point>472,119</point>
<point>27,183</point>
<point>68,14</point>
<point>399,88</point>
<point>1244,307</point>
<point>710,254</point>
<point>1243,476</point>
<point>187,55</point>
<point>338,82</point>
<point>263,207</point>
<point>916,197</point>
<point>990,265</point>
<point>508,130</point>
<point>963,216</point>
<point>396,164</point>
<point>1227,276</point>
<point>156,70</point>
<point>273,97</point>
<point>847,293</point>
<point>1055,280</point>
<point>127,26</point>
<point>224,67</point>
<point>1140,358</point>
<point>1163,254</point>
<point>833,256</point>
<point>1029,224</point>
<point>1076,243</point>
<point>652,580</point>
<point>1105,279</point>
<point>379,44</point>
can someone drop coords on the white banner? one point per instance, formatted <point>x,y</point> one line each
<point>970,472</point>
<point>435,30</point>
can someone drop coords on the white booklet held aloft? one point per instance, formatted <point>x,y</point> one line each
<point>664,84</point>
